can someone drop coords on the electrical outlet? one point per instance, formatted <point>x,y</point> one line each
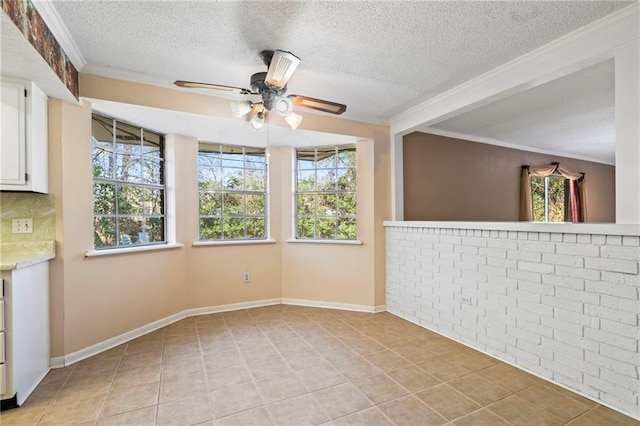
<point>466,300</point>
<point>246,277</point>
<point>22,226</point>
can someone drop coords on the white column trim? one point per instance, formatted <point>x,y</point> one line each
<point>627,89</point>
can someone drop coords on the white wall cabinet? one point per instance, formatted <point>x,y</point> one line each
<point>23,137</point>
<point>26,331</point>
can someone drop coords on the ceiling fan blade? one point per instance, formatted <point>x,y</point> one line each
<point>230,89</point>
<point>318,104</point>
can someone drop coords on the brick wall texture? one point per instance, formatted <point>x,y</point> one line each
<point>563,306</point>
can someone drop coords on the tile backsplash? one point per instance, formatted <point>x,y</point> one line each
<point>24,205</point>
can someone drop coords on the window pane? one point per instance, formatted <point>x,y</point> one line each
<point>102,160</point>
<point>326,158</point>
<point>347,157</point>
<point>102,128</point>
<point>255,228</point>
<point>326,227</point>
<point>306,159</point>
<point>128,230</point>
<point>151,145</point>
<point>232,156</point>
<point>104,232</point>
<point>255,180</point>
<point>233,228</point>
<point>346,179</point>
<point>537,196</point>
<point>347,204</point>
<point>255,204</point>
<point>104,198</point>
<point>151,171</point>
<point>233,179</point>
<point>346,229</point>
<point>327,205</point>
<point>209,159</point>
<point>556,199</point>
<point>210,204</point>
<point>326,180</point>
<point>130,199</point>
<point>210,178</point>
<point>306,227</point>
<point>306,204</point>
<point>233,204</point>
<point>255,155</point>
<point>127,167</point>
<point>306,180</point>
<point>153,201</point>
<point>210,229</point>
<point>155,230</point>
<point>128,138</point>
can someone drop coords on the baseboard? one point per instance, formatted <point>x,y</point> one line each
<point>519,367</point>
<point>231,307</point>
<point>103,346</point>
<point>334,305</point>
<point>72,358</point>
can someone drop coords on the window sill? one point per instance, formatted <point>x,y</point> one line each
<point>107,252</point>
<point>310,241</point>
<point>232,242</point>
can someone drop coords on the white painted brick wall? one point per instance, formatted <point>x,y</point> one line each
<point>563,306</point>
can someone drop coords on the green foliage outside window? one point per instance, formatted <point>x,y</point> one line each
<point>232,185</point>
<point>326,193</point>
<point>554,197</point>
<point>128,184</point>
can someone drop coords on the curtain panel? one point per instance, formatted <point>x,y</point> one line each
<point>577,191</point>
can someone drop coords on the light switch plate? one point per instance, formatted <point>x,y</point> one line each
<point>22,226</point>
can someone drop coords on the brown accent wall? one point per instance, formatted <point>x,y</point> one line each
<point>457,180</point>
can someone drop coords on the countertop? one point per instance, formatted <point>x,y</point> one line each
<point>21,255</point>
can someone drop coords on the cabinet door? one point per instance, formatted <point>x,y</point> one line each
<point>13,142</point>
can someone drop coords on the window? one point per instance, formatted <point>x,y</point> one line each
<point>232,185</point>
<point>326,193</point>
<point>128,184</point>
<point>550,198</point>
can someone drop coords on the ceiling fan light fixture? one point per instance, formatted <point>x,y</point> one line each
<point>282,66</point>
<point>258,120</point>
<point>241,108</point>
<point>284,106</point>
<point>293,119</point>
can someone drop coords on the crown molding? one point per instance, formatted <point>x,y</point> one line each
<point>59,30</point>
<point>496,142</point>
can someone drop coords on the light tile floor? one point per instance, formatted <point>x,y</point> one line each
<point>288,365</point>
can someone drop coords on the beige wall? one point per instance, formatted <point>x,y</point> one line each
<point>453,179</point>
<point>97,298</point>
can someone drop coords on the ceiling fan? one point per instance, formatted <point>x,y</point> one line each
<point>271,86</point>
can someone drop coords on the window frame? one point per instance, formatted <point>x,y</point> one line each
<point>335,192</point>
<point>244,192</point>
<point>117,184</point>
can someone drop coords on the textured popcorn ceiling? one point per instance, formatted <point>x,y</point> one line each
<point>379,58</point>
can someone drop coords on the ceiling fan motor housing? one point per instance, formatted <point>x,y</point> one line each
<point>269,94</point>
